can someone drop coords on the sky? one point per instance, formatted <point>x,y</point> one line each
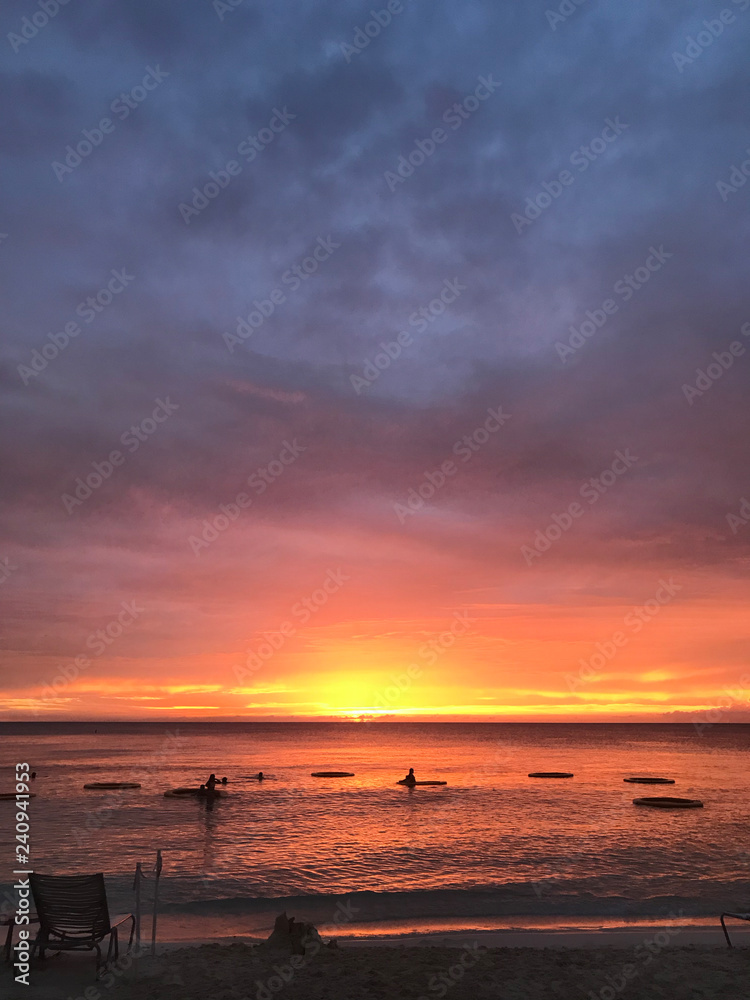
<point>375,365</point>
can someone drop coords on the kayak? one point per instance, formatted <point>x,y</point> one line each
<point>409,784</point>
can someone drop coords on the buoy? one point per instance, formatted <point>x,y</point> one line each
<point>665,802</point>
<point>551,774</point>
<point>11,795</point>
<point>650,781</point>
<point>113,784</point>
<point>331,774</point>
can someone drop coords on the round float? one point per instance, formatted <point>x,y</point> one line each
<point>650,781</point>
<point>331,774</point>
<point>11,795</point>
<point>667,802</point>
<point>198,793</point>
<point>551,774</point>
<point>112,784</point>
<point>414,785</point>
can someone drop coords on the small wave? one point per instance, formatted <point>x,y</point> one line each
<point>512,901</point>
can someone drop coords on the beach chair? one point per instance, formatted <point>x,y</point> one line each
<point>737,916</point>
<point>73,915</point>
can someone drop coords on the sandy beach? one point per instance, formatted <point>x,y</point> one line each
<point>464,970</point>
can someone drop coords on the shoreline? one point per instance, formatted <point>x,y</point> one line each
<point>192,930</point>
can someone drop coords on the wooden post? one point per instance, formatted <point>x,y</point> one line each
<point>156,902</point>
<point>138,906</point>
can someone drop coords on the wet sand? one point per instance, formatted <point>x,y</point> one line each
<point>638,967</point>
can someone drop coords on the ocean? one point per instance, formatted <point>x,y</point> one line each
<point>491,849</point>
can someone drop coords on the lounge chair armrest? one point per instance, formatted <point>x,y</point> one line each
<point>121,920</point>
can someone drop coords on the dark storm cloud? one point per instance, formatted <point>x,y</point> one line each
<point>324,175</point>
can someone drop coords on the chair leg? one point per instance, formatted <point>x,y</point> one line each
<point>117,944</point>
<point>724,928</point>
<point>98,958</point>
<point>8,943</point>
<point>132,932</point>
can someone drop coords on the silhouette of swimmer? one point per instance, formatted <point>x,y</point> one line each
<point>410,779</point>
<point>259,776</point>
<point>211,783</point>
<point>223,781</point>
<point>33,775</point>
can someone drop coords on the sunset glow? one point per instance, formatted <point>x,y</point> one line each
<point>383,426</point>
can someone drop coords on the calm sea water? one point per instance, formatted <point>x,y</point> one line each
<point>491,846</point>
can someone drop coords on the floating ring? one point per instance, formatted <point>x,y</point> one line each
<point>551,774</point>
<point>113,784</point>
<point>650,781</point>
<point>665,802</point>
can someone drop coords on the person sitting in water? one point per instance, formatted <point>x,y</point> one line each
<point>211,783</point>
<point>410,779</point>
<point>223,781</point>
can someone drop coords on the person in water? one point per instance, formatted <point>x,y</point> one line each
<point>211,783</point>
<point>410,779</point>
<point>223,781</point>
<point>259,776</point>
